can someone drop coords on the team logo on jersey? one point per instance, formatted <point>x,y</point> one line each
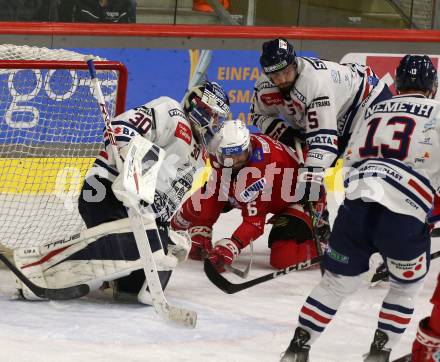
<point>272,99</point>
<point>251,192</point>
<point>408,269</point>
<point>183,132</point>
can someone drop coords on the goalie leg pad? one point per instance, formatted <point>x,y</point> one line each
<point>128,287</point>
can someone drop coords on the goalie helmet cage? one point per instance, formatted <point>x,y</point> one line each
<point>51,130</point>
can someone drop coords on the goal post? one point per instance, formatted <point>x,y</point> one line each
<point>51,130</point>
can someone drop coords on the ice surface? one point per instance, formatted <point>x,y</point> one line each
<point>254,325</point>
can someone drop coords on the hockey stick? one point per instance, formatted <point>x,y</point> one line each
<point>163,308</point>
<point>406,358</point>
<point>381,275</point>
<point>242,273</point>
<point>311,208</point>
<point>230,288</point>
<point>76,291</point>
<point>435,233</point>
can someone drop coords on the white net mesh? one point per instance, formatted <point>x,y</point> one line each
<point>50,132</point>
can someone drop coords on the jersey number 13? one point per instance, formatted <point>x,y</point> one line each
<point>370,149</point>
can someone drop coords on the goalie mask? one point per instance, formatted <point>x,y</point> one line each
<point>207,107</point>
<point>232,144</point>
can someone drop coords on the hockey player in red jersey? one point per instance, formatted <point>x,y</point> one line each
<point>257,175</point>
<point>426,347</point>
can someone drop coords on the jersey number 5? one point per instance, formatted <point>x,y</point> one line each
<point>404,138</point>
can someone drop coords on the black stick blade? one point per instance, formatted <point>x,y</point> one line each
<point>76,291</point>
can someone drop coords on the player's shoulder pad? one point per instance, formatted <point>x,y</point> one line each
<point>162,101</point>
<point>168,109</point>
<point>263,83</point>
<point>261,148</point>
<point>311,68</point>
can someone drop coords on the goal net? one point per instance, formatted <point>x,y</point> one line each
<point>51,129</point>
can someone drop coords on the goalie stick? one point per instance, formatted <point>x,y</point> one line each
<point>381,275</point>
<point>199,71</point>
<point>168,312</point>
<point>230,288</point>
<point>76,291</point>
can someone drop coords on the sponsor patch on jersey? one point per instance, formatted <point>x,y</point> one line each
<point>297,94</point>
<point>176,113</point>
<point>322,140</point>
<point>257,155</point>
<point>183,132</point>
<point>272,99</point>
<point>265,85</point>
<point>146,110</point>
<point>320,102</point>
<point>333,254</point>
<point>318,156</point>
<point>251,192</point>
<point>264,144</point>
<point>408,269</point>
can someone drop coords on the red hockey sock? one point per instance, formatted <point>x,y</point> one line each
<point>285,253</point>
<point>434,321</point>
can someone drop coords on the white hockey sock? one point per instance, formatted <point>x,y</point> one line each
<point>324,301</point>
<point>397,309</point>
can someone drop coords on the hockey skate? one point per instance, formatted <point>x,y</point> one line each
<point>377,352</point>
<point>298,350</point>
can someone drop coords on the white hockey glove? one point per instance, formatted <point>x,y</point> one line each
<point>180,245</point>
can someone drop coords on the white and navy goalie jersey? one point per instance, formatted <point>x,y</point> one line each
<point>163,122</point>
<point>323,102</point>
<point>394,153</point>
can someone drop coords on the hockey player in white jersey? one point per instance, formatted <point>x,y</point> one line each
<point>312,98</point>
<point>393,179</point>
<point>183,133</point>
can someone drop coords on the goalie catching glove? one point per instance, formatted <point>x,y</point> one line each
<point>224,252</point>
